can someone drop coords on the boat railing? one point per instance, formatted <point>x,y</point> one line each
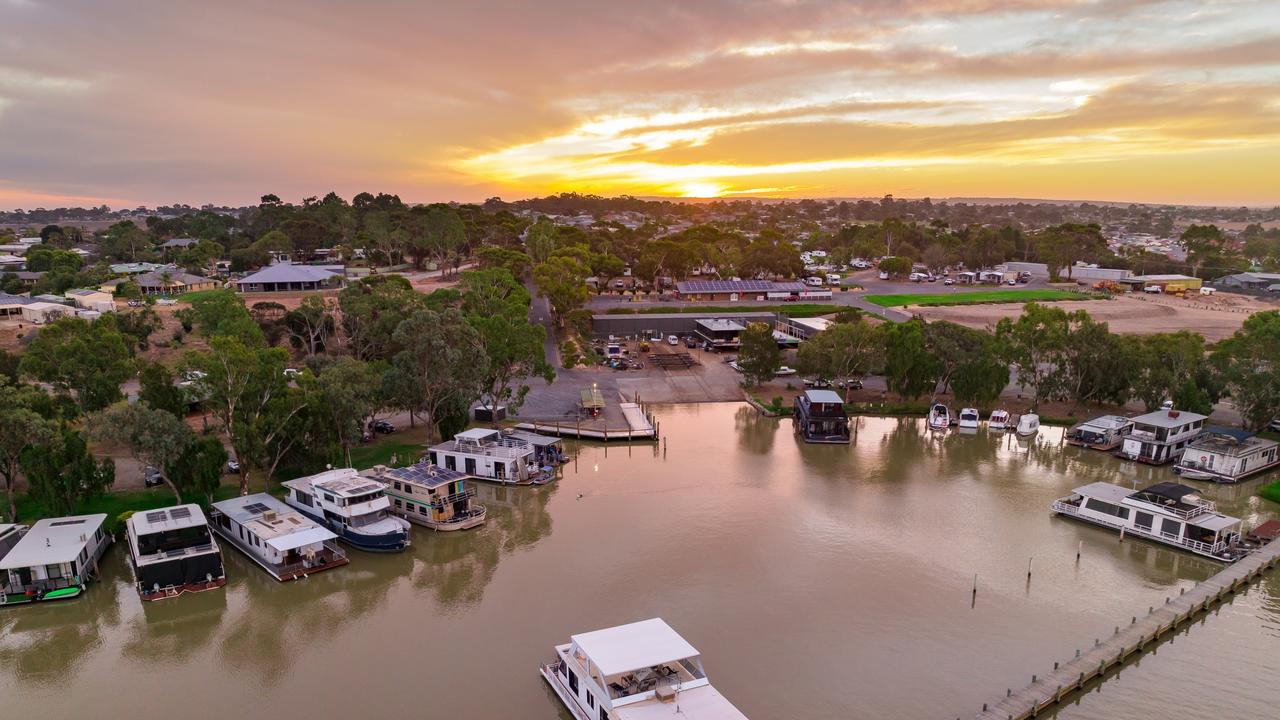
<point>41,586</point>
<point>329,554</point>
<point>1066,508</point>
<point>438,503</point>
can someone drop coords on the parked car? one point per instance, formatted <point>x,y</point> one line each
<point>783,370</point>
<point>817,383</point>
<point>1153,289</point>
<point>850,384</point>
<point>292,373</point>
<point>691,342</point>
<point>152,477</point>
<point>135,303</point>
<point>382,426</point>
<point>166,301</point>
<point>233,467</point>
<point>948,281</point>
<point>884,275</point>
<point>673,340</point>
<point>1011,282</point>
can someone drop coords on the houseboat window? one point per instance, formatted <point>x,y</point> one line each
<point>98,534</point>
<point>423,509</point>
<point>573,680</point>
<point>591,702</point>
<point>53,571</point>
<point>450,463</point>
<point>1143,520</point>
<point>408,506</point>
<point>432,457</point>
<point>303,498</point>
<point>1170,526</point>
<point>397,502</point>
<point>328,497</point>
<point>604,714</point>
<point>396,484</point>
<point>1107,508</point>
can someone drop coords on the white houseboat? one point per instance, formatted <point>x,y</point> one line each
<point>54,560</point>
<point>9,536</point>
<point>1100,433</point>
<point>432,496</point>
<point>1166,512</point>
<point>1227,455</point>
<point>1159,437</point>
<point>356,508</point>
<point>487,454</point>
<point>173,552</point>
<point>547,450</point>
<point>635,672</point>
<point>283,541</point>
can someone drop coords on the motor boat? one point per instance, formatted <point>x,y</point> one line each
<point>969,418</point>
<point>1028,424</point>
<point>999,420</point>
<point>939,417</point>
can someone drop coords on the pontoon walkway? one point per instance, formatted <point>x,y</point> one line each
<point>1070,676</point>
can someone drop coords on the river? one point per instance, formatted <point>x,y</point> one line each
<point>818,582</point>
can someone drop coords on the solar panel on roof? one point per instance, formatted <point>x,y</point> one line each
<point>64,523</point>
<point>155,517</point>
<point>256,508</point>
<point>180,513</point>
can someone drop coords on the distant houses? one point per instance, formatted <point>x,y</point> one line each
<point>165,282</point>
<point>287,277</point>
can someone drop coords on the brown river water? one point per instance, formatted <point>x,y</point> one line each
<point>817,581</point>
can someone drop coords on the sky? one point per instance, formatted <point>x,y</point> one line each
<point>130,103</point>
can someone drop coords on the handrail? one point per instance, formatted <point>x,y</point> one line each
<point>1069,509</point>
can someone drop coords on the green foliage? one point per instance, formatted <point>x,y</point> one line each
<point>61,473</point>
<point>1162,364</point>
<point>222,312</point>
<point>845,350</point>
<point>498,308</point>
<point>1034,343</point>
<point>442,364</point>
<point>372,309</point>
<point>351,393</point>
<point>24,423</point>
<point>157,389</point>
<point>513,261</point>
<point>138,325</point>
<point>562,280</point>
<point>541,240</point>
<point>197,470</point>
<point>759,357</point>
<point>910,370</point>
<point>1249,365</point>
<point>895,266</point>
<point>86,360</point>
<point>46,258</point>
<point>154,437</point>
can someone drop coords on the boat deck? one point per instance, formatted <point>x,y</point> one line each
<point>330,558</point>
<point>1072,675</point>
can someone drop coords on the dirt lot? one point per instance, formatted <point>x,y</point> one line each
<point>1215,317</point>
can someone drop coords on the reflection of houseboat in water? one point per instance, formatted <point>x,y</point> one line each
<point>283,541</point>
<point>1166,513</point>
<point>634,672</point>
<point>173,552</point>
<point>354,507</point>
<point>820,417</point>
<point>54,560</point>
<point>1227,455</point>
<point>1100,433</point>
<point>432,496</point>
<point>488,454</point>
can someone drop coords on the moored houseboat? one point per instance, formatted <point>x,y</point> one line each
<point>10,534</point>
<point>486,454</point>
<point>431,496</point>
<point>1101,433</point>
<point>1158,437</point>
<point>1166,513</point>
<point>547,450</point>
<point>54,560</point>
<point>354,507</point>
<point>281,540</point>
<point>1227,455</point>
<point>173,552</point>
<point>820,417</point>
<point>638,671</point>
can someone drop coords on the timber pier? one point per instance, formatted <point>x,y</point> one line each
<point>1140,633</point>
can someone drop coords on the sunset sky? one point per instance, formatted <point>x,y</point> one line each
<point>156,102</point>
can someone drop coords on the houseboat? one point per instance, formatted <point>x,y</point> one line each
<point>820,417</point>
<point>1101,433</point>
<point>634,672</point>
<point>432,496</point>
<point>969,418</point>
<point>283,541</point>
<point>1159,437</point>
<point>356,508</point>
<point>173,552</point>
<point>487,454</point>
<point>1166,513</point>
<point>1227,455</point>
<point>9,536</point>
<point>999,420</point>
<point>1028,424</point>
<point>54,560</point>
<point>939,417</point>
<point>547,450</point>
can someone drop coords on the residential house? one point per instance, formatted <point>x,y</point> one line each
<point>287,277</point>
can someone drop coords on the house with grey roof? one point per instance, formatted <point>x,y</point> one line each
<point>12,304</point>
<point>287,277</point>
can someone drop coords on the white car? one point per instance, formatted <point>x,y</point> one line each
<point>884,275</point>
<point>1153,289</point>
<point>784,370</point>
<point>673,340</point>
<point>833,279</point>
<point>166,301</point>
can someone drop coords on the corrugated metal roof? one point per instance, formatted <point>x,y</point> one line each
<point>285,273</point>
<point>53,540</point>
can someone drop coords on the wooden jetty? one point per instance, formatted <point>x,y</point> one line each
<point>640,426</point>
<point>1141,633</point>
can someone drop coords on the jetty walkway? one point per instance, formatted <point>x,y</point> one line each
<point>1141,632</point>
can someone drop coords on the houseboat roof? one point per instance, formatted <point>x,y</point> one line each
<point>824,397</point>
<point>1167,490</point>
<point>477,434</point>
<point>1104,491</point>
<point>715,324</point>
<point>286,530</point>
<point>53,541</point>
<point>1169,418</point>
<point>1106,422</point>
<point>424,474</point>
<point>1215,522</point>
<point>343,482</point>
<point>534,438</point>
<point>698,702</point>
<point>1224,442</point>
<point>166,519</point>
<point>631,647</point>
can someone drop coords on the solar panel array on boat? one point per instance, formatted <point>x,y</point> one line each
<point>63,523</point>
<point>180,513</point>
<point>426,474</point>
<point>256,508</point>
<point>711,286</point>
<point>155,517</point>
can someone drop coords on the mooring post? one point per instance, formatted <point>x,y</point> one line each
<point>1029,566</point>
<point>975,585</point>
<point>1079,547</point>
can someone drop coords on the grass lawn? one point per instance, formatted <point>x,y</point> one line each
<point>380,452</point>
<point>791,309</point>
<point>973,297</point>
<point>1271,492</point>
<point>116,503</point>
<point>192,296</point>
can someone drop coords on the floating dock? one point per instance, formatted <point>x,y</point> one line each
<point>1141,632</point>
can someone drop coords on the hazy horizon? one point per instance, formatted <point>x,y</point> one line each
<point>148,103</point>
